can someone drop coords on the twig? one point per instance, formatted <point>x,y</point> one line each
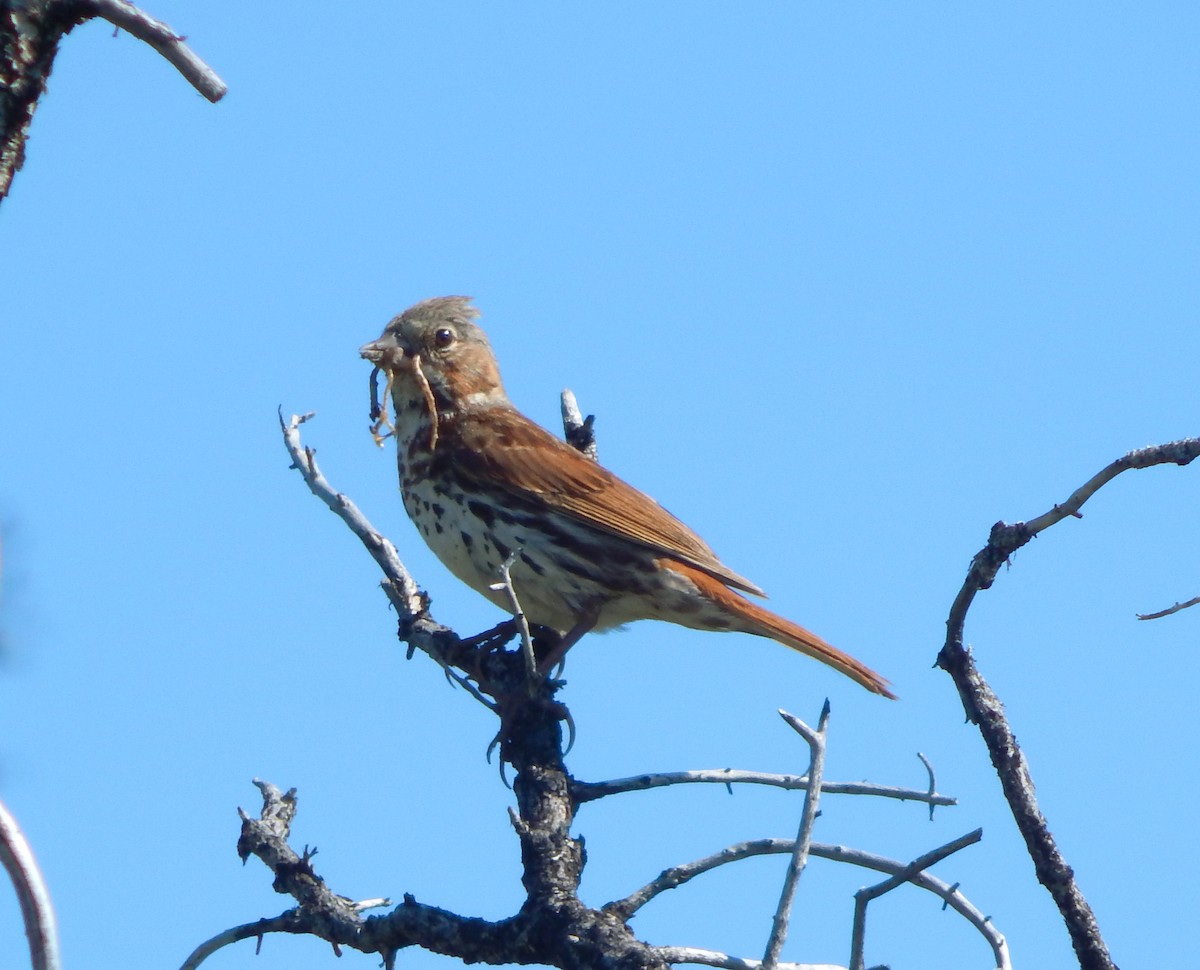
<point>950,894</point>
<point>37,912</point>
<point>864,896</point>
<point>808,817</point>
<point>405,595</point>
<point>514,607</point>
<point>293,921</point>
<point>983,708</point>
<point>1169,610</point>
<point>164,40</point>
<point>267,838</point>
<point>408,599</point>
<point>579,431</point>
<point>587,791</point>
<point>1006,539</point>
<point>714,958</point>
<point>288,922</point>
<point>932,782</point>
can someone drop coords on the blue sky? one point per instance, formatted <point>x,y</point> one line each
<point>844,285</point>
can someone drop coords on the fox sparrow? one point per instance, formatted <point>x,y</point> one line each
<point>485,485</point>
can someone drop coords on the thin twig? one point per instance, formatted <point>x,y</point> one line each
<point>579,431</point>
<point>405,594</point>
<point>37,912</point>
<point>949,894</point>
<point>983,707</point>
<point>1169,610</point>
<point>587,791</point>
<point>506,586</point>
<point>808,817</point>
<point>284,923</point>
<point>714,958</point>
<point>401,589</point>
<point>932,782</point>
<point>918,865</point>
<point>164,40</point>
<point>293,921</point>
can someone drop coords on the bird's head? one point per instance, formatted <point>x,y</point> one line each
<point>437,344</point>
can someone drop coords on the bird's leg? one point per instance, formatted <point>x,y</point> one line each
<point>566,641</point>
<point>494,638</point>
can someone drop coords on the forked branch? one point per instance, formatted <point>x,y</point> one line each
<point>984,708</point>
<point>950,894</point>
<point>808,818</point>
<point>553,926</point>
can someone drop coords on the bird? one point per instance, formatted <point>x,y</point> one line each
<point>489,489</point>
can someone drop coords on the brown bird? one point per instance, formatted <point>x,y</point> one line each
<point>483,483</point>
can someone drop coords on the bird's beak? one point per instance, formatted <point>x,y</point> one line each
<point>375,350</point>
<point>386,352</point>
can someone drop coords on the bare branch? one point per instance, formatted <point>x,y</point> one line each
<point>514,605</point>
<point>1006,539</point>
<point>932,782</point>
<point>293,921</point>
<point>587,791</point>
<point>30,33</point>
<point>288,922</point>
<point>984,708</point>
<point>808,817</point>
<point>546,930</point>
<point>713,958</point>
<point>579,431</point>
<point>676,876</point>
<point>164,40</point>
<point>266,837</point>
<point>1169,610</point>
<point>949,894</point>
<point>418,628</point>
<point>404,593</point>
<point>553,928</point>
<point>864,896</point>
<point>37,912</point>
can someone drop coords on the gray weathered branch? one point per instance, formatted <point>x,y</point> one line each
<point>864,896</point>
<point>37,912</point>
<point>983,707</point>
<point>1170,609</point>
<point>586,791</point>
<point>678,875</point>
<point>808,818</point>
<point>30,32</point>
<point>163,39</point>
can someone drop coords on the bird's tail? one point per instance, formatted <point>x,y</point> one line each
<point>751,618</point>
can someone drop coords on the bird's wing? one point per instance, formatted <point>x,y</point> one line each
<point>509,450</point>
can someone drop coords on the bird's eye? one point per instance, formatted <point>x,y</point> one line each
<point>443,337</point>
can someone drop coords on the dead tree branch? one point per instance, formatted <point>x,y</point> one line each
<point>679,875</point>
<point>37,912</point>
<point>587,791</point>
<point>984,709</point>
<point>30,32</point>
<point>713,958</point>
<point>808,818</point>
<point>1170,609</point>
<point>864,896</point>
<point>163,39</point>
<point>553,926</point>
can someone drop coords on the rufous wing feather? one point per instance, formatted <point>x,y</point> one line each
<point>531,461</point>
<point>752,618</point>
